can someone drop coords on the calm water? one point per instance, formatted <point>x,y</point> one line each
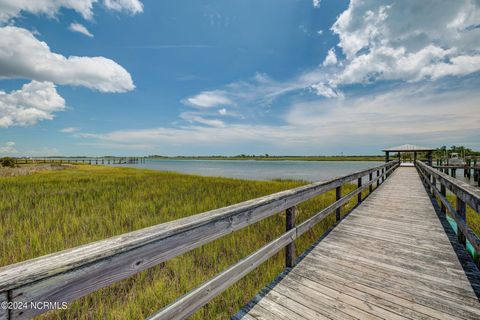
<point>260,170</point>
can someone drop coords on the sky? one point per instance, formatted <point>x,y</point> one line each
<point>224,77</point>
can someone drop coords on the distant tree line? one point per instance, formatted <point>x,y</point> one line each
<point>461,150</point>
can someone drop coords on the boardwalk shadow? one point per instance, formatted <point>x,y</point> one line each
<point>469,267</point>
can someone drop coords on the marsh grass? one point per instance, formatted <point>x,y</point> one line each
<point>50,211</point>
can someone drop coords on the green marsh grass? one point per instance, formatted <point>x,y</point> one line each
<point>50,211</point>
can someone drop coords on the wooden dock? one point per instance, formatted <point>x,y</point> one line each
<point>394,256</point>
<point>389,259</point>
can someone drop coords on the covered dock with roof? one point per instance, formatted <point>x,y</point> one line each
<point>410,148</point>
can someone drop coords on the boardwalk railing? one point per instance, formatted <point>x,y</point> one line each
<point>465,195</point>
<point>70,274</point>
<point>467,171</point>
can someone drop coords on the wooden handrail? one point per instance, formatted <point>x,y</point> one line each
<point>464,193</point>
<point>70,274</point>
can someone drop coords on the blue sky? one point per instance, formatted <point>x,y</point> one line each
<point>130,77</point>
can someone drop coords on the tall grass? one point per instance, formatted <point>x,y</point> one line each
<point>53,210</point>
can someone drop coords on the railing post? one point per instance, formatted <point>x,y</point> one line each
<point>370,187</point>
<point>461,209</point>
<point>338,196</point>
<point>290,248</point>
<point>443,192</point>
<point>359,195</point>
<point>378,181</point>
<point>383,175</point>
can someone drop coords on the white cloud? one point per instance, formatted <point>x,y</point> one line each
<point>13,8</point>
<point>394,41</point>
<point>208,99</point>
<point>331,58</point>
<point>80,28</point>
<point>418,114</point>
<point>194,117</point>
<point>34,102</point>
<point>222,111</point>
<point>24,56</point>
<point>129,6</point>
<point>69,130</point>
<point>381,40</point>
<point>8,147</point>
<point>325,90</point>
<point>316,3</point>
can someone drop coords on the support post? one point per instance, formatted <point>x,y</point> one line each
<point>378,181</point>
<point>290,248</point>
<point>461,209</point>
<point>414,156</point>
<point>443,192</point>
<point>359,195</point>
<point>387,156</point>
<point>338,196</point>
<point>429,158</point>
<point>370,187</point>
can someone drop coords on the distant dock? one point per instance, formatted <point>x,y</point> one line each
<point>85,160</point>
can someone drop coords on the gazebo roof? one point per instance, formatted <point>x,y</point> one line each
<point>407,148</point>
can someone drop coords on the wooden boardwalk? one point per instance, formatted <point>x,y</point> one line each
<point>392,258</point>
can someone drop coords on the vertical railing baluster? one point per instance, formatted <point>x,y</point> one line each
<point>359,184</point>
<point>338,196</point>
<point>290,248</point>
<point>378,181</point>
<point>443,192</point>
<point>370,187</point>
<point>461,210</point>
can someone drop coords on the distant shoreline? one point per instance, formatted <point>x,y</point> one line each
<point>275,158</point>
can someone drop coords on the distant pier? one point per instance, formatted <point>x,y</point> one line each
<point>84,160</point>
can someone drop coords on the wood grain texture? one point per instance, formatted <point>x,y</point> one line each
<point>3,311</point>
<point>290,248</point>
<point>391,258</point>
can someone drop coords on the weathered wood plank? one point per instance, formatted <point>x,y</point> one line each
<point>373,294</point>
<point>310,299</point>
<point>3,307</point>
<point>303,311</point>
